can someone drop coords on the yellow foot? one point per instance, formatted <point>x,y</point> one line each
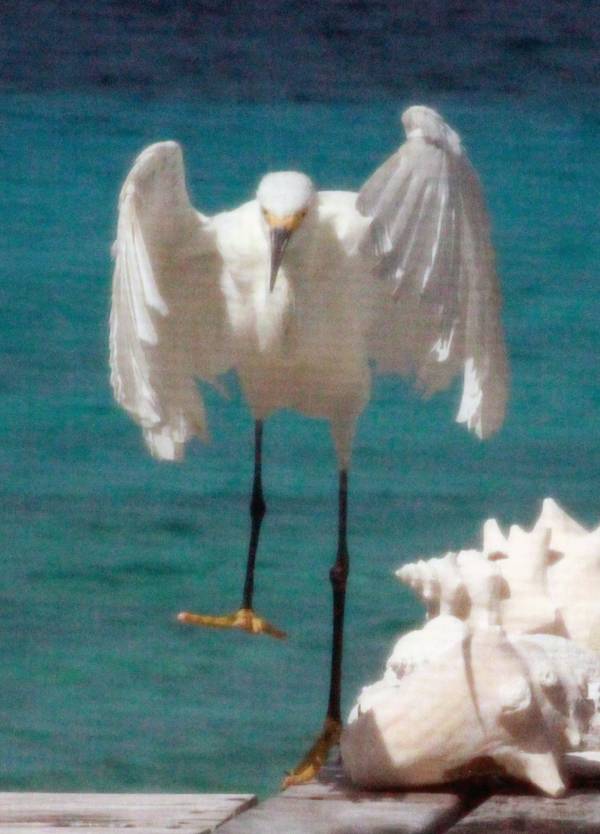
<point>244,619</point>
<point>317,755</point>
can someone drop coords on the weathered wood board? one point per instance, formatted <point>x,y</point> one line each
<point>576,813</point>
<point>51,813</point>
<point>331,806</point>
<point>328,805</point>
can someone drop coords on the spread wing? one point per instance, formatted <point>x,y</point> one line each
<point>167,321</point>
<point>430,238</point>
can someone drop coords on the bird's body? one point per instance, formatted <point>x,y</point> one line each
<point>303,345</point>
<point>303,293</point>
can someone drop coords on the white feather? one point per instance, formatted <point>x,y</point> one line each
<point>157,347</point>
<point>431,239</point>
<point>191,294</point>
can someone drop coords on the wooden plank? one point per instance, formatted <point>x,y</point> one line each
<point>330,805</point>
<point>51,813</point>
<point>576,813</point>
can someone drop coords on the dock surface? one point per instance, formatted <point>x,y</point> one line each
<point>112,813</point>
<point>331,805</point>
<point>328,805</point>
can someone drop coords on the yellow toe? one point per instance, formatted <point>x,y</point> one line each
<point>244,619</point>
<point>316,756</point>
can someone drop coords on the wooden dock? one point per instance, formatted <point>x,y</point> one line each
<point>115,813</point>
<point>329,805</point>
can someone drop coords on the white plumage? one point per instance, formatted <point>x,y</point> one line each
<point>303,293</point>
<point>403,275</point>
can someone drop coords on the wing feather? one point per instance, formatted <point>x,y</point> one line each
<point>430,237</point>
<point>167,322</point>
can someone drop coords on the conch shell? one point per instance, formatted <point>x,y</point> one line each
<point>502,674</point>
<point>545,581</point>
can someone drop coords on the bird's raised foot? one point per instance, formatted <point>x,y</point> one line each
<point>244,619</point>
<point>317,755</point>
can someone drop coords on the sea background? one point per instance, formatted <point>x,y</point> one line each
<point>100,546</point>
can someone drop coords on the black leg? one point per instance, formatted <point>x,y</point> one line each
<point>330,734</point>
<point>258,509</point>
<point>245,618</point>
<point>338,576</point>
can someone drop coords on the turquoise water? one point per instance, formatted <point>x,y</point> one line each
<point>101,546</point>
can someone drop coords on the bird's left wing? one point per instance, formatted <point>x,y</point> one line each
<point>439,303</point>
<point>167,321</point>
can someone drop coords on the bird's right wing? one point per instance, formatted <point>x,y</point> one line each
<point>440,301</point>
<point>167,322</point>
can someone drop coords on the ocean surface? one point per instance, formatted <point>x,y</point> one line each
<point>100,688</point>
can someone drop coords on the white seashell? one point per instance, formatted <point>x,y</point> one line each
<point>506,668</point>
<point>574,584</point>
<point>494,541</point>
<point>528,607</point>
<point>480,698</point>
<point>453,595</point>
<point>484,586</point>
<point>546,580</point>
<point>561,674</point>
<point>418,648</point>
<point>556,519</point>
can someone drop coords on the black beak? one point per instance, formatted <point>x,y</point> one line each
<point>279,240</point>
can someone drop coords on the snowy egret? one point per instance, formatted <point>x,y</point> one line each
<point>302,293</point>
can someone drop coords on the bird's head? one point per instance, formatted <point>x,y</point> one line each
<point>284,198</point>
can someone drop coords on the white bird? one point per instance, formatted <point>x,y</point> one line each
<point>302,293</point>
